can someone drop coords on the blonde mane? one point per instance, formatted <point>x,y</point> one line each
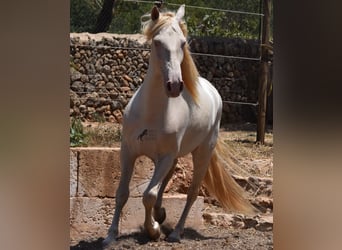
<point>189,71</point>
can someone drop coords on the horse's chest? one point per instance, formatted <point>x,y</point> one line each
<point>152,141</point>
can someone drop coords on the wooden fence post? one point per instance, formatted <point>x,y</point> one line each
<point>262,95</point>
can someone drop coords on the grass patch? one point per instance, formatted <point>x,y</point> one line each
<point>102,134</point>
<point>253,157</point>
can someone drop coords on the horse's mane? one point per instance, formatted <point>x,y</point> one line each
<point>189,71</point>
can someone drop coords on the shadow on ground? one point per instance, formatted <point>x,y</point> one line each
<point>140,238</point>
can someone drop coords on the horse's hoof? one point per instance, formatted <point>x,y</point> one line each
<point>154,232</point>
<point>108,242</point>
<point>173,237</point>
<point>160,215</point>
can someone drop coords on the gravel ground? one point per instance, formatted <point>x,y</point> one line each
<point>211,237</point>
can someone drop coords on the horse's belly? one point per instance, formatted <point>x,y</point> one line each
<point>192,139</point>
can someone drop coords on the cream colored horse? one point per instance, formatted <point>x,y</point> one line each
<point>173,113</point>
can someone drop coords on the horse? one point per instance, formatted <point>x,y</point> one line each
<point>174,112</point>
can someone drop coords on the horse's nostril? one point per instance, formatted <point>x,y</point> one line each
<point>181,86</point>
<point>168,86</point>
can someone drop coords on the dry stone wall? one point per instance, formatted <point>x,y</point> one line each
<point>104,74</point>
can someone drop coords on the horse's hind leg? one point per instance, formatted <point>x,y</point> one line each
<point>122,193</point>
<point>158,211</point>
<point>201,159</point>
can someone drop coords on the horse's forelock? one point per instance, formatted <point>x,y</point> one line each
<point>152,27</point>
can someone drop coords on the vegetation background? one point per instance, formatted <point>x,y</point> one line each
<point>125,16</point>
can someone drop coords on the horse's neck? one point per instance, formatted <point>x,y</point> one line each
<point>153,97</point>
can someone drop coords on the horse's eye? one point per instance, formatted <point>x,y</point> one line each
<point>157,43</point>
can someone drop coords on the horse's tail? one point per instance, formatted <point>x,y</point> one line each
<point>221,184</point>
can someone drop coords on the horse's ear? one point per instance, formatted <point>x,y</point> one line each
<point>180,12</point>
<point>155,13</point>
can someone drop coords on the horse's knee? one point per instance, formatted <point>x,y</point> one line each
<point>122,196</point>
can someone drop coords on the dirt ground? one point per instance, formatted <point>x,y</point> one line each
<point>221,230</point>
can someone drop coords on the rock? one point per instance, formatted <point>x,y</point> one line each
<point>265,223</point>
<point>84,78</point>
<point>124,83</point>
<point>110,86</point>
<point>91,110</point>
<point>75,75</point>
<point>106,69</point>
<point>74,100</point>
<point>90,69</point>
<point>111,118</point>
<point>77,86</point>
<point>127,78</point>
<point>77,55</point>
<point>89,87</point>
<point>83,108</point>
<point>125,89</point>
<point>97,77</point>
<point>118,115</point>
<point>114,105</point>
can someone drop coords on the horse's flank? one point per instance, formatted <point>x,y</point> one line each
<point>189,71</point>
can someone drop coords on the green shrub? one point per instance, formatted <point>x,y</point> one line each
<point>77,135</point>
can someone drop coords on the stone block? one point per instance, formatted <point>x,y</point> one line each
<point>90,218</point>
<point>73,173</point>
<point>99,173</point>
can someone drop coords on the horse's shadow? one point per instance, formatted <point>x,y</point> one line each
<point>141,238</point>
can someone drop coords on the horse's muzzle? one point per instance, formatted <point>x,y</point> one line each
<point>173,89</point>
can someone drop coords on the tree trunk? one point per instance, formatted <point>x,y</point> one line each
<point>262,97</point>
<point>105,17</point>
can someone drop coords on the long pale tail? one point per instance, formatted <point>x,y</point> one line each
<point>221,184</point>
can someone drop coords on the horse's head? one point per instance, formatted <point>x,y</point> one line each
<point>168,50</point>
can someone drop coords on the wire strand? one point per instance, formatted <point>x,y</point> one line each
<point>230,57</point>
<point>242,103</point>
<point>124,95</point>
<point>147,49</point>
<point>200,7</point>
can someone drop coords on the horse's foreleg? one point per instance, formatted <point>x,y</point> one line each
<point>162,169</point>
<point>201,158</point>
<point>122,193</point>
<point>158,211</point>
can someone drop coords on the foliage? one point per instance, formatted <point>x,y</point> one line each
<point>201,22</point>
<point>83,15</point>
<point>77,135</point>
